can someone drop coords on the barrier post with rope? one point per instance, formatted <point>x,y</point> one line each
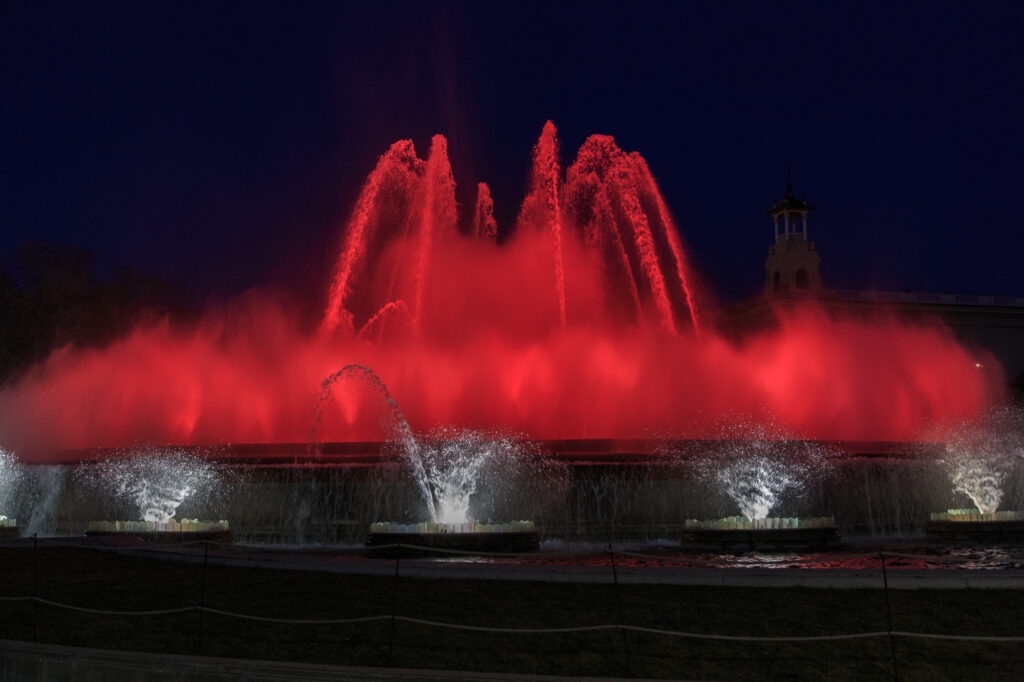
<point>622,618</point>
<point>394,603</point>
<point>35,587</point>
<point>888,613</point>
<point>202,598</point>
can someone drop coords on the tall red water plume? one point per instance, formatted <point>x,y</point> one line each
<point>615,203</point>
<point>542,205</point>
<point>434,217</point>
<point>405,201</point>
<point>382,204</point>
<point>672,253</point>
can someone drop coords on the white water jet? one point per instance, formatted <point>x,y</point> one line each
<point>448,465</point>
<point>756,483</point>
<point>456,462</point>
<point>980,454</point>
<point>11,474</point>
<point>980,480</point>
<point>392,421</point>
<point>757,465</point>
<point>156,482</point>
<point>452,476</point>
<point>41,495</point>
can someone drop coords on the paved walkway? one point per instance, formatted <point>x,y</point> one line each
<point>29,662</point>
<point>735,576</point>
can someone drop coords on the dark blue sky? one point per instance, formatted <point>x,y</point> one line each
<point>224,143</point>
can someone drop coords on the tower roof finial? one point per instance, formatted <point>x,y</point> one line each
<point>789,201</point>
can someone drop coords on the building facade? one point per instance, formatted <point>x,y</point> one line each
<point>988,324</point>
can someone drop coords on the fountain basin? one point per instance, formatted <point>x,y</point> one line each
<point>963,525</point>
<point>738,534</point>
<point>426,539</point>
<point>9,528</point>
<point>169,533</point>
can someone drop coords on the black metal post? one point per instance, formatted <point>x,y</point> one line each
<point>202,598</point>
<point>888,611</point>
<point>394,603</point>
<point>35,587</point>
<point>622,619</point>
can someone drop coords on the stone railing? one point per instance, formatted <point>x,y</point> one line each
<point>172,526</point>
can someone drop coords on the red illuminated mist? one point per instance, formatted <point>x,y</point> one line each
<point>581,320</point>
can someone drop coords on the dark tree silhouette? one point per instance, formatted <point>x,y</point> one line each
<point>51,297</point>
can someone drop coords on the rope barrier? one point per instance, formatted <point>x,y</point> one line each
<point>962,638</point>
<point>290,621</point>
<point>522,631</point>
<point>528,631</point>
<point>104,612</point>
<point>819,638</point>
<point>740,638</point>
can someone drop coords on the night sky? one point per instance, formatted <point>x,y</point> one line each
<point>224,144</point>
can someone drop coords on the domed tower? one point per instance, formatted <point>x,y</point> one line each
<point>792,262</point>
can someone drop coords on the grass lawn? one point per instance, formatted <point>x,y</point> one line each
<point>106,580</point>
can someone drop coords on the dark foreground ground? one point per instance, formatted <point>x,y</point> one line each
<point>105,580</point>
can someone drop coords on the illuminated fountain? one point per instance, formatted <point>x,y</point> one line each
<point>980,459</point>
<point>11,474</point>
<point>458,465</point>
<point>155,483</point>
<point>758,468</point>
<point>475,481</point>
<point>581,320</point>
<point>448,468</point>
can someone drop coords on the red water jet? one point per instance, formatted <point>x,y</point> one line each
<point>614,201</point>
<point>391,182</point>
<point>542,206</point>
<point>484,224</point>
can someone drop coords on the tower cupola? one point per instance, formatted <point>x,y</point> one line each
<point>792,263</point>
<point>790,214</point>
